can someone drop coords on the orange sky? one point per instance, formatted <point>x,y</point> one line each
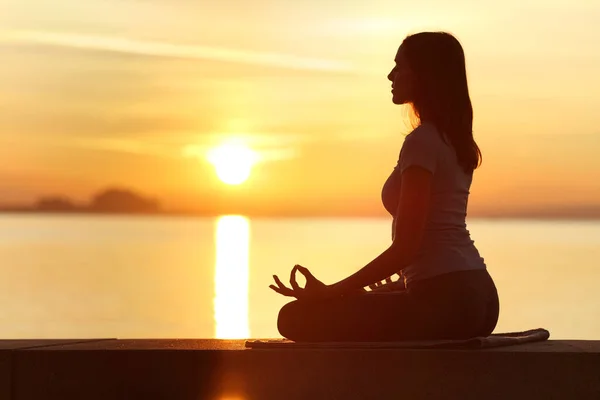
<point>116,92</point>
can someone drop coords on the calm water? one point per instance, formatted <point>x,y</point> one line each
<point>74,276</point>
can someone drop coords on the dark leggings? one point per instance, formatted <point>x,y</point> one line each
<point>456,305</point>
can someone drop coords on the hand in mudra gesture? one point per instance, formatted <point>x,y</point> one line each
<point>314,288</point>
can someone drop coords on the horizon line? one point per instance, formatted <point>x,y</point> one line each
<point>292,215</point>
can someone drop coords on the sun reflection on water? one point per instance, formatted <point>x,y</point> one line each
<point>232,237</point>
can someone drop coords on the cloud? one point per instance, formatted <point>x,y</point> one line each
<point>173,50</point>
<point>55,123</point>
<point>269,147</point>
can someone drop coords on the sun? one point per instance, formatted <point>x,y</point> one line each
<point>233,162</point>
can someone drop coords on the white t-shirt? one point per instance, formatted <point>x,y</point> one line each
<point>446,245</point>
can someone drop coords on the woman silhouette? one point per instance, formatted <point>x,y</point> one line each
<point>449,293</point>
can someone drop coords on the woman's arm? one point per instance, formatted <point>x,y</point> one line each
<point>413,208</point>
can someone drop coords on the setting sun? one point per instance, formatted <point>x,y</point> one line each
<point>233,162</point>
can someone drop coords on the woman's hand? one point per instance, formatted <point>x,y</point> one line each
<point>314,288</point>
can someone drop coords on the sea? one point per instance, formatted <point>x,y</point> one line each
<point>78,276</point>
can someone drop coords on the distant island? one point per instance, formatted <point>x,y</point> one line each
<point>109,201</point>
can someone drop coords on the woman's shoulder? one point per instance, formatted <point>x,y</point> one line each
<point>425,130</point>
<point>426,134</point>
<point>421,147</point>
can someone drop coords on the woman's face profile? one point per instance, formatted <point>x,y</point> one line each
<point>401,78</point>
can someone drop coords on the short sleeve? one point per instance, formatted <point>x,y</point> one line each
<point>420,149</point>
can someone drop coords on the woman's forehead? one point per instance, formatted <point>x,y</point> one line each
<point>399,55</point>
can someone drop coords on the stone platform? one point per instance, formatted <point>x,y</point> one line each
<point>107,369</point>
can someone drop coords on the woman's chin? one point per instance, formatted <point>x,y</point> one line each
<point>398,100</point>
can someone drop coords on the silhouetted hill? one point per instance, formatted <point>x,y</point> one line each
<point>117,200</point>
<point>112,200</point>
<point>55,204</point>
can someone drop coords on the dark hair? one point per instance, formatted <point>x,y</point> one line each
<point>441,93</point>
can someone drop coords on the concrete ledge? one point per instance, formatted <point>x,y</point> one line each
<point>214,369</point>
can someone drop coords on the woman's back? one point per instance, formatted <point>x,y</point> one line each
<point>446,245</point>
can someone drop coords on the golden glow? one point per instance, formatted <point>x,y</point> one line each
<point>232,238</point>
<point>233,162</point>
<point>314,104</point>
